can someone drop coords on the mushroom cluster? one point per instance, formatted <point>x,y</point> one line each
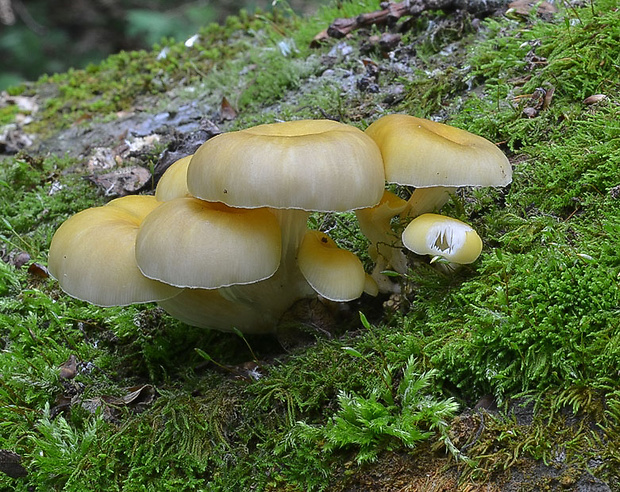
<point>224,242</point>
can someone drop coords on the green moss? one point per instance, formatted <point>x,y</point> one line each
<point>127,75</point>
<point>220,59</point>
<point>535,321</point>
<point>7,113</point>
<point>551,440</point>
<point>35,198</point>
<point>537,313</point>
<point>439,77</point>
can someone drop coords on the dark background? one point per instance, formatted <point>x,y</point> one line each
<point>47,36</point>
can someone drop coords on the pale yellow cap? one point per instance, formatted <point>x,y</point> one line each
<point>336,274</point>
<point>423,153</point>
<point>92,255</point>
<point>189,242</point>
<point>438,235</point>
<point>318,165</point>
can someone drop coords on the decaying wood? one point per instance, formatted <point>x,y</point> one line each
<point>392,12</point>
<point>10,463</point>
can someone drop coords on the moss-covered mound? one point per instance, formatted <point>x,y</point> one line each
<point>502,375</point>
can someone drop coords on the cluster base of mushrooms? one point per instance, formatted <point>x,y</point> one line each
<point>224,242</point>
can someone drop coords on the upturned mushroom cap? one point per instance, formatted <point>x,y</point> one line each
<point>189,242</point>
<point>423,153</point>
<point>173,183</point>
<point>92,255</point>
<point>336,274</point>
<point>318,165</point>
<point>438,235</point>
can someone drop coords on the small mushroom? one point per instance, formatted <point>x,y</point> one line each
<point>92,255</point>
<point>173,183</point>
<point>318,165</point>
<point>436,159</point>
<point>438,235</point>
<point>334,273</point>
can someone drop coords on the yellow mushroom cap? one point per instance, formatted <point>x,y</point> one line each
<point>188,242</point>
<point>336,274</point>
<point>173,183</point>
<point>92,255</point>
<point>370,286</point>
<point>423,153</point>
<point>318,165</point>
<point>438,235</point>
<point>389,206</point>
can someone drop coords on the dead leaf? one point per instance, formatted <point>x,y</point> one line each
<point>319,39</point>
<point>123,181</point>
<point>68,369</point>
<point>38,270</point>
<point>10,464</point>
<point>594,98</point>
<point>548,96</point>
<point>138,398</point>
<point>525,7</point>
<point>227,112</point>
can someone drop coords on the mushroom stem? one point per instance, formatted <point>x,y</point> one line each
<point>293,224</point>
<point>251,308</point>
<point>385,245</point>
<point>274,295</point>
<point>427,200</point>
<point>268,299</point>
<point>206,308</point>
